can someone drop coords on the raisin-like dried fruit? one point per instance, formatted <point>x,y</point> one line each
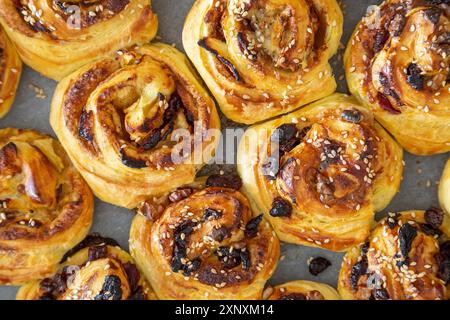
<point>415,77</point>
<point>434,217</point>
<point>232,181</point>
<point>251,229</point>
<point>429,230</point>
<point>286,136</point>
<point>358,270</point>
<point>281,208</point>
<point>97,252</point>
<point>211,214</point>
<point>111,290</point>
<point>406,235</point>
<point>133,275</point>
<point>385,104</point>
<point>180,194</point>
<point>381,294</point>
<point>318,265</point>
<point>353,116</point>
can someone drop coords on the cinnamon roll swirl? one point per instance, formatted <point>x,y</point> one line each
<point>120,119</point>
<point>45,206</point>
<point>263,58</point>
<point>301,290</point>
<point>96,269</point>
<point>397,63</point>
<point>444,188</point>
<point>205,243</point>
<point>406,257</point>
<point>10,70</point>
<point>56,37</point>
<point>320,174</point>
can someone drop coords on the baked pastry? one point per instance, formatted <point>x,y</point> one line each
<point>58,37</point>
<point>397,63</point>
<point>319,174</point>
<point>406,257</point>
<point>10,70</point>
<point>301,290</point>
<point>444,188</point>
<point>45,206</point>
<point>204,243</point>
<point>261,59</point>
<point>96,269</point>
<point>136,124</point>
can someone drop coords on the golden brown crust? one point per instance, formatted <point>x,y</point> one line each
<point>338,168</point>
<point>99,270</point>
<point>206,246</point>
<point>58,37</point>
<point>404,258</point>
<point>397,63</point>
<point>46,205</point>
<point>264,58</point>
<point>444,188</point>
<point>118,118</point>
<point>301,290</point>
<point>10,70</point>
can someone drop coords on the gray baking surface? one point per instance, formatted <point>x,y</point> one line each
<point>418,191</point>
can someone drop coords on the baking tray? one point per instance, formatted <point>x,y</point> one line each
<point>418,190</point>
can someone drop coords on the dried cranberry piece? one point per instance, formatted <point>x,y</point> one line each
<point>429,230</point>
<point>281,208</point>
<point>287,137</point>
<point>232,181</point>
<point>211,214</point>
<point>97,252</point>
<point>381,294</point>
<point>133,275</point>
<point>385,104</point>
<point>318,265</point>
<point>435,217</point>
<point>381,37</point>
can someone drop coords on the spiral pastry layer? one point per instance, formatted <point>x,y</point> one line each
<point>45,206</point>
<point>206,244</point>
<point>10,70</point>
<point>57,37</point>
<point>444,188</point>
<point>263,58</point>
<point>120,120</point>
<point>397,63</point>
<point>96,269</point>
<point>320,174</point>
<point>301,290</point>
<point>406,257</point>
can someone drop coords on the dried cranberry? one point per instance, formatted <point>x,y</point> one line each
<point>433,14</point>
<point>93,239</point>
<point>133,275</point>
<point>318,265</point>
<point>220,234</point>
<point>138,294</point>
<point>381,37</point>
<point>392,222</point>
<point>406,235</point>
<point>353,116</point>
<point>232,181</point>
<point>111,289</point>
<point>358,270</point>
<point>435,217</point>
<point>293,296</point>
<point>385,104</point>
<point>281,208</point>
<point>97,252</point>
<point>415,77</point>
<point>429,230</point>
<point>251,229</point>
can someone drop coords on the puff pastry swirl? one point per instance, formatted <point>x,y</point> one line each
<point>57,37</point>
<point>206,244</point>
<point>120,119</point>
<point>444,188</point>
<point>319,174</point>
<point>397,63</point>
<point>10,70</point>
<point>406,257</point>
<point>301,290</point>
<point>96,269</point>
<point>264,58</point>
<point>45,206</point>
